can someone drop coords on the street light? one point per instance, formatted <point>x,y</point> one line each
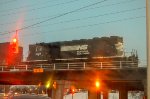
<point>47,86</point>
<point>72,92</point>
<point>97,84</point>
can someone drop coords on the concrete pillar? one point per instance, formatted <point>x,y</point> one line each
<point>105,95</point>
<point>123,94</point>
<point>54,94</point>
<point>92,94</point>
<point>58,93</point>
<point>99,95</point>
<point>49,92</point>
<point>148,45</point>
<point>145,88</point>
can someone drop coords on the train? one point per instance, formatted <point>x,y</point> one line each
<point>99,49</point>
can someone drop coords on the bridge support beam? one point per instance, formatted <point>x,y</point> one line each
<point>49,92</point>
<point>105,95</point>
<point>59,91</point>
<point>145,88</point>
<point>98,95</point>
<point>123,94</point>
<point>92,94</point>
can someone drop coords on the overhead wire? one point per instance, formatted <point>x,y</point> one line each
<point>7,2</point>
<point>25,6</point>
<point>96,24</point>
<point>126,1</point>
<point>89,25</point>
<point>39,8</point>
<point>91,17</point>
<point>120,20</point>
<point>63,14</point>
<point>32,19</point>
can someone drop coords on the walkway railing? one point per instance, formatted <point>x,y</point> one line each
<point>73,66</point>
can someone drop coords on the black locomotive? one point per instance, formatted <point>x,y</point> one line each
<point>83,50</point>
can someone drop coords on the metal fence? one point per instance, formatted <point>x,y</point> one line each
<point>73,66</point>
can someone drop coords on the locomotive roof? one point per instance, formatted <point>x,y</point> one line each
<point>112,38</point>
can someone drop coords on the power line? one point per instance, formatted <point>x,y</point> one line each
<point>6,2</point>
<point>86,26</point>
<point>63,14</point>
<point>129,10</point>
<point>92,25</point>
<point>126,1</point>
<point>26,6</point>
<point>120,20</point>
<point>78,11</point>
<point>30,10</point>
<point>85,18</point>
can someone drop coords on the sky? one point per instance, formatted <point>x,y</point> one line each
<point>63,20</point>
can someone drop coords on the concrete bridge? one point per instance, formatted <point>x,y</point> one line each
<point>81,75</point>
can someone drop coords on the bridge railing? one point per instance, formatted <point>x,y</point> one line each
<point>73,66</point>
<point>89,65</point>
<point>16,68</point>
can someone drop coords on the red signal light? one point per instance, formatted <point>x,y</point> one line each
<point>14,45</point>
<point>14,40</point>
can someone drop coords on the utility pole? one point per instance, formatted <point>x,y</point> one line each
<point>72,96</point>
<point>148,46</point>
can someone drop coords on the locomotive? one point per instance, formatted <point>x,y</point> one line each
<point>84,50</point>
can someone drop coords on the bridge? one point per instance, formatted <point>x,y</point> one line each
<point>115,75</point>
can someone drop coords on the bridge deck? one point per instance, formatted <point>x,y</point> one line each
<point>72,66</point>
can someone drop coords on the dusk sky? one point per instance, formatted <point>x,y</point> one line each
<point>61,20</point>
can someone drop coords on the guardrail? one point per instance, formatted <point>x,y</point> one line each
<point>73,66</point>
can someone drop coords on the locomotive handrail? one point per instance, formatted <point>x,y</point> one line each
<point>73,66</point>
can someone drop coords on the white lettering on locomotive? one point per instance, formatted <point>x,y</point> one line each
<point>38,50</point>
<point>74,47</point>
<point>84,52</point>
<point>119,47</point>
<point>80,49</point>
